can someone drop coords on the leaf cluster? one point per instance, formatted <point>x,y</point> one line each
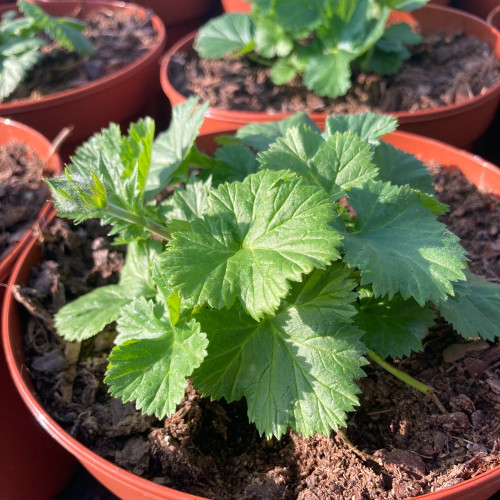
<point>320,40</point>
<point>20,44</point>
<point>273,271</point>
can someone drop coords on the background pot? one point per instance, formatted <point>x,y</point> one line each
<point>128,486</point>
<point>119,97</point>
<point>479,8</point>
<point>458,124</point>
<point>32,465</point>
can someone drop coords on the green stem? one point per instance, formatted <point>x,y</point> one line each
<point>407,379</point>
<point>259,60</point>
<point>138,220</point>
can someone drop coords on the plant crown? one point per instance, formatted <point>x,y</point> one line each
<point>320,40</point>
<point>20,46</point>
<point>256,278</point>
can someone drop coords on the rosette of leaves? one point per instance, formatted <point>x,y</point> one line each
<point>20,42</point>
<point>272,272</point>
<point>320,40</point>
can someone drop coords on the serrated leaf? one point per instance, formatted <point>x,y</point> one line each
<point>298,16</point>
<point>152,371</point>
<point>223,35</point>
<point>272,40</point>
<point>474,309</point>
<point>336,165</point>
<point>61,31</point>
<point>329,74</point>
<point>394,327</point>
<point>256,237</point>
<point>283,71</point>
<point>403,4</point>
<point>171,148</point>
<point>399,246</point>
<point>295,369</point>
<point>260,135</point>
<point>234,163</point>
<point>369,127</point>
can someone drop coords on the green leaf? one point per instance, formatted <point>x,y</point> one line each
<point>475,308</point>
<point>399,246</point>
<point>272,40</point>
<point>406,5</point>
<point>223,35</point>
<point>295,369</point>
<point>329,74</point>
<point>255,238</point>
<point>234,163</point>
<point>369,127</point>
<point>298,16</point>
<point>153,370</point>
<point>338,164</point>
<point>171,148</point>
<point>394,327</point>
<point>283,71</point>
<point>260,135</point>
<point>59,30</point>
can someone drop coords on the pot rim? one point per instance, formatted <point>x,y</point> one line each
<point>52,162</point>
<point>93,461</point>
<point>63,96</point>
<point>237,116</point>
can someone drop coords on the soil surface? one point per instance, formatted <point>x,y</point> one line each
<point>22,192</point>
<point>404,444</point>
<point>442,70</point>
<point>119,39</point>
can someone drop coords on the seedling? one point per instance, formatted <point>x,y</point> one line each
<point>272,274</point>
<point>321,40</point>
<point>20,42</point>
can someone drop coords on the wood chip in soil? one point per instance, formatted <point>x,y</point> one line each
<point>22,192</point>
<point>119,39</point>
<point>405,445</point>
<point>442,70</point>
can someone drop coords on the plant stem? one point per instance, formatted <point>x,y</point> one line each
<point>142,221</point>
<point>259,60</point>
<point>407,379</point>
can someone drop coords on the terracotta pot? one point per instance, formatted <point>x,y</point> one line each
<point>480,8</point>
<point>26,451</point>
<point>236,6</point>
<point>119,97</point>
<point>129,486</point>
<point>494,17</point>
<point>456,124</point>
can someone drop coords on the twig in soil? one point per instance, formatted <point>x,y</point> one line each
<point>33,307</point>
<point>59,140</point>
<point>347,442</point>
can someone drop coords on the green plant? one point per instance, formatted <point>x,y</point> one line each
<point>319,39</point>
<point>20,44</point>
<point>266,283</point>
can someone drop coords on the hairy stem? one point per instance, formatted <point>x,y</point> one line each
<point>404,377</point>
<point>145,222</point>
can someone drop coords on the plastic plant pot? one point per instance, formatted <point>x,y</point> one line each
<point>119,97</point>
<point>131,487</point>
<point>457,124</point>
<point>236,6</point>
<point>494,17</point>
<point>26,451</point>
<point>480,8</point>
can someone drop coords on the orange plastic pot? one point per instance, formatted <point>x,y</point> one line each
<point>119,97</point>
<point>236,6</point>
<point>131,487</point>
<point>480,8</point>
<point>457,124</point>
<point>32,465</point>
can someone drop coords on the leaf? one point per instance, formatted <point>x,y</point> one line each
<point>283,71</point>
<point>338,164</point>
<point>271,40</point>
<point>394,327</point>
<point>369,127</point>
<point>223,35</point>
<point>260,135</point>
<point>329,74</point>
<point>255,238</point>
<point>298,16</point>
<point>171,148</point>
<point>89,314</point>
<point>234,163</point>
<point>474,309</point>
<point>403,4</point>
<point>60,30</point>
<point>295,369</point>
<point>152,371</point>
<point>401,247</point>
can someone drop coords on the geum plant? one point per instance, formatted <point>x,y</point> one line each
<point>320,40</point>
<point>21,42</point>
<point>269,276</point>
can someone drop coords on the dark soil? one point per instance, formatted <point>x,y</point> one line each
<point>119,39</point>
<point>405,445</point>
<point>22,192</point>
<point>442,70</point>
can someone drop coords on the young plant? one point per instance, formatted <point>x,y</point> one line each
<point>271,274</point>
<point>20,44</point>
<point>321,40</point>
